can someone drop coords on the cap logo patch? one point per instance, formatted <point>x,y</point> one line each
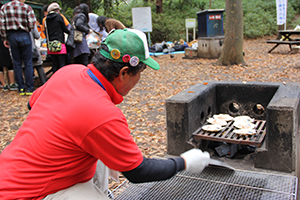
<point>115,54</point>
<point>126,58</point>
<point>134,61</point>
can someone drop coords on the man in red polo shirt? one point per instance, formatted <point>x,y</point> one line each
<point>73,122</point>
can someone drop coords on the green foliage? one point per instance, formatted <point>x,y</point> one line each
<point>165,28</point>
<point>259,15</point>
<point>68,13</point>
<point>260,18</point>
<point>295,4</point>
<point>216,4</point>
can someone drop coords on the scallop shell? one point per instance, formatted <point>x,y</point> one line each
<point>212,128</point>
<point>243,118</point>
<point>244,124</point>
<point>245,131</point>
<point>216,121</point>
<point>225,117</point>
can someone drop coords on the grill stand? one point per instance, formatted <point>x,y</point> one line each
<point>187,111</point>
<point>216,183</point>
<point>227,135</point>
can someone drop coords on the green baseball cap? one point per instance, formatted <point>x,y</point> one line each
<point>128,46</point>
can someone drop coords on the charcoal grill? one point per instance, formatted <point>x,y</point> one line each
<point>274,106</point>
<point>227,134</point>
<point>216,183</point>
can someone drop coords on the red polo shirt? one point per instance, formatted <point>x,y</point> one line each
<point>73,123</point>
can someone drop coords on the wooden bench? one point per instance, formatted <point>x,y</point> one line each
<point>279,42</point>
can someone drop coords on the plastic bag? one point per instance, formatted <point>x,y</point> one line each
<point>93,40</point>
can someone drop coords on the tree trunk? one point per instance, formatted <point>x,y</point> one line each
<point>159,6</point>
<point>232,52</point>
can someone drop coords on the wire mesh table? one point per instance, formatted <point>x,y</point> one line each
<point>216,183</point>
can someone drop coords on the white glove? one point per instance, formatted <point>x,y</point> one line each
<point>195,160</point>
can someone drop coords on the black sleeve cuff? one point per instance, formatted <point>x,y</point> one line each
<point>179,163</point>
<point>155,170</point>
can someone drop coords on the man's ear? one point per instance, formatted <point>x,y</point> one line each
<point>123,72</point>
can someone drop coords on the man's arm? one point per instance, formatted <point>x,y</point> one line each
<point>66,21</point>
<point>193,161</point>
<point>112,143</point>
<point>6,43</point>
<point>79,23</point>
<point>155,170</point>
<point>31,19</point>
<point>64,26</point>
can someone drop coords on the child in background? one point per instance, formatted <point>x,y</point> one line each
<point>6,62</point>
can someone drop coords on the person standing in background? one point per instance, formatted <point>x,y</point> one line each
<point>40,26</point>
<point>101,26</point>
<point>108,24</point>
<point>71,34</point>
<point>16,21</point>
<point>7,62</point>
<point>45,8</point>
<point>55,29</point>
<point>111,24</point>
<point>81,51</point>
<point>37,63</point>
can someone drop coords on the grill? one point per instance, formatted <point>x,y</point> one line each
<point>274,106</point>
<point>216,183</point>
<point>227,135</point>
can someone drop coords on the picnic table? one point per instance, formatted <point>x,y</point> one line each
<point>288,33</point>
<point>286,39</point>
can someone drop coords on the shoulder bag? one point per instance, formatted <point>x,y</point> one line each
<point>53,46</point>
<point>77,34</point>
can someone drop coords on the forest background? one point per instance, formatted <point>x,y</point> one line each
<point>169,24</point>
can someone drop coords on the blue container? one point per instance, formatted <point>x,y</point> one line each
<point>210,23</point>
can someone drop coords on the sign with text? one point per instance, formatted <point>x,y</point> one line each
<point>214,17</point>
<point>190,23</point>
<point>218,17</point>
<point>141,19</point>
<point>281,11</point>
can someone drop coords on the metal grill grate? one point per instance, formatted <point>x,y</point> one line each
<point>216,183</point>
<point>227,135</point>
